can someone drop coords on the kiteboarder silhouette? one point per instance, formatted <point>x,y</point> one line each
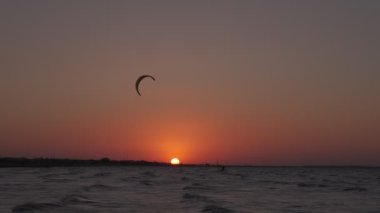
<point>138,81</point>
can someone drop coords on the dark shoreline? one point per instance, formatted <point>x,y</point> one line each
<point>64,162</point>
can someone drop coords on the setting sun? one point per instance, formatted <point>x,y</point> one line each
<point>175,161</point>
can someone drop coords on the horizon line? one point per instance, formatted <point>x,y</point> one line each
<point>106,160</point>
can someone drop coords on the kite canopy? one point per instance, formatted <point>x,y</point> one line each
<point>138,81</point>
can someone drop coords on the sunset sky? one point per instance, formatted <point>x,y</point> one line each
<point>237,82</point>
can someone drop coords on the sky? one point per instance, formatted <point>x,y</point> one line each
<point>237,82</point>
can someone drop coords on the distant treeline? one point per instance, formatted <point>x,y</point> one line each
<point>53,162</point>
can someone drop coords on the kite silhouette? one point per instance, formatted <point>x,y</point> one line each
<point>138,81</point>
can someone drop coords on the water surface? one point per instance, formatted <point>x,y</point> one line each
<point>189,189</point>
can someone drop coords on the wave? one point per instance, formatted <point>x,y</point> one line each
<point>27,207</point>
<point>146,182</point>
<point>216,209</point>
<point>76,199</point>
<point>102,174</point>
<point>357,189</point>
<point>312,185</point>
<point>195,197</point>
<point>275,182</point>
<point>148,174</point>
<point>196,186</point>
<point>99,187</point>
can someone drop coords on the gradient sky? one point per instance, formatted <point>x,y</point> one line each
<point>237,82</point>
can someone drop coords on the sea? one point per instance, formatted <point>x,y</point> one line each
<point>189,189</point>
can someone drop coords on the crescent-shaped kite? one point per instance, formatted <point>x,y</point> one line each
<point>138,81</point>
